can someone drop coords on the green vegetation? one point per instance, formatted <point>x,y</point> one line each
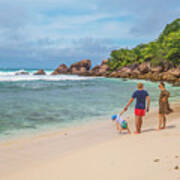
<point>166,49</point>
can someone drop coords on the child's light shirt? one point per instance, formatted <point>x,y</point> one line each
<point>119,119</point>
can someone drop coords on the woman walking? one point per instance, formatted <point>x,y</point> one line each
<point>164,107</point>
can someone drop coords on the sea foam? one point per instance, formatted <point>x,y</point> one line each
<point>11,77</point>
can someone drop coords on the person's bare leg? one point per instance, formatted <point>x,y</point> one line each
<point>137,125</point>
<point>129,132</point>
<point>140,123</point>
<point>160,122</point>
<point>164,121</point>
<point>120,129</point>
<point>117,126</point>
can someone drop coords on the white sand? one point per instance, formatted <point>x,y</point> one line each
<point>97,152</point>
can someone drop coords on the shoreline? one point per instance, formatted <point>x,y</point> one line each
<point>63,129</point>
<point>24,156</point>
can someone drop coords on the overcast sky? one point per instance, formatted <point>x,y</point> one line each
<point>45,33</point>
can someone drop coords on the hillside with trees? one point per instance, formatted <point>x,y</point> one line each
<point>166,49</point>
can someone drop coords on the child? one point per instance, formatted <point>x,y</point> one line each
<point>121,123</point>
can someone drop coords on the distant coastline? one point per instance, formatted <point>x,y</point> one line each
<point>145,71</point>
<point>158,60</point>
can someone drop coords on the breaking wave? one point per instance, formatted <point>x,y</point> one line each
<point>22,75</point>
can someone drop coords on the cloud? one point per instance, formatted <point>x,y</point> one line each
<point>147,18</point>
<point>45,32</point>
<point>50,57</point>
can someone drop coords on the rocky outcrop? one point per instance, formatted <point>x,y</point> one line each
<point>40,72</point>
<point>100,70</point>
<point>104,62</point>
<point>83,70</point>
<point>166,76</point>
<point>175,72</point>
<point>156,69</point>
<point>80,67</point>
<point>154,76</point>
<point>162,72</point>
<point>119,74</point>
<point>103,69</point>
<point>125,70</point>
<point>132,67</point>
<point>62,69</point>
<point>167,66</point>
<point>135,73</point>
<point>148,72</point>
<point>177,83</point>
<point>95,70</point>
<point>144,67</point>
<point>115,74</point>
<point>22,72</point>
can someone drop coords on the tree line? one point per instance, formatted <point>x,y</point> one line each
<point>165,49</point>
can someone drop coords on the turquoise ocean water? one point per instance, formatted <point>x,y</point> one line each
<point>30,104</point>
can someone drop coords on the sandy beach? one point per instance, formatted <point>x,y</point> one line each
<point>96,151</point>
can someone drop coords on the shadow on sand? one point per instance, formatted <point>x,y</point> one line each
<point>152,129</point>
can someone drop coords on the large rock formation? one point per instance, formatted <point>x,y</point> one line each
<point>103,68</point>
<point>167,66</point>
<point>115,74</point>
<point>177,82</point>
<point>95,70</point>
<point>133,66</point>
<point>155,76</point>
<point>104,62</point>
<point>62,69</point>
<point>166,76</point>
<point>100,70</point>
<point>82,70</point>
<point>148,72</point>
<point>144,67</point>
<point>165,71</point>
<point>156,69</point>
<point>125,70</point>
<point>40,72</point>
<point>80,67</point>
<point>175,71</point>
<point>135,73</point>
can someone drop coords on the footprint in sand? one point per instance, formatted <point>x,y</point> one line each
<point>176,167</point>
<point>156,160</point>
